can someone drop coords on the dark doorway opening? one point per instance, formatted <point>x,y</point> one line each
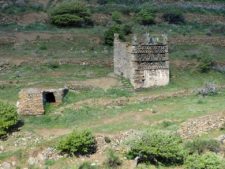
<point>49,97</point>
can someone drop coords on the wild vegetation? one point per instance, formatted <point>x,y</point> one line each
<point>103,122</point>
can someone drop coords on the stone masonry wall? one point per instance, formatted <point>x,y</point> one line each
<point>145,63</point>
<point>122,61</point>
<point>31,101</point>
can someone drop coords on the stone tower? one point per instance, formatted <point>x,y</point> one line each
<point>144,61</point>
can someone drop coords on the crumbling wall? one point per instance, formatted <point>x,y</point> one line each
<point>122,61</point>
<point>30,102</point>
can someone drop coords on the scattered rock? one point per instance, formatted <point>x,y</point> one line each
<point>5,165</point>
<point>197,126</point>
<point>32,161</point>
<point>221,139</point>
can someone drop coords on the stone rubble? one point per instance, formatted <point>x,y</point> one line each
<point>198,126</point>
<point>117,142</point>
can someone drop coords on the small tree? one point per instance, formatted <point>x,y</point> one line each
<point>158,147</point>
<point>109,34</point>
<point>146,17</point>
<point>206,63</point>
<point>127,29</point>
<point>116,17</point>
<point>71,14</point>
<point>8,118</point>
<point>78,143</point>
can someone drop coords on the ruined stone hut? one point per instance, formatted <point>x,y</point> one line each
<point>32,101</point>
<point>144,61</point>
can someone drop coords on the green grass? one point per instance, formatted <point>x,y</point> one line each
<point>170,109</point>
<point>49,74</point>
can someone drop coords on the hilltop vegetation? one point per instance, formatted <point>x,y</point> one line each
<point>59,43</point>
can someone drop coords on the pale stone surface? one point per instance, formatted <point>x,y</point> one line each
<point>32,100</point>
<point>144,63</point>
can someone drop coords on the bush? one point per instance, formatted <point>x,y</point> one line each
<point>109,34</point>
<point>116,17</point>
<point>174,17</point>
<point>202,145</point>
<point>146,17</point>
<point>87,165</point>
<point>112,161</point>
<point>206,63</point>
<point>127,29</point>
<point>8,119</point>
<point>205,161</point>
<point>71,14</point>
<point>158,147</point>
<point>78,143</point>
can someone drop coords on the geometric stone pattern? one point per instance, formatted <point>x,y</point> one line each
<point>32,100</point>
<point>144,63</point>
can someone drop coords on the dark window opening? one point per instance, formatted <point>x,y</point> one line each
<point>49,97</point>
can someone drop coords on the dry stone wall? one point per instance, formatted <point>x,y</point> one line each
<point>31,101</point>
<point>145,63</point>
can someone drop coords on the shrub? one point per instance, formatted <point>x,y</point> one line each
<point>205,161</point>
<point>87,165</point>
<point>8,119</point>
<point>109,34</point>
<point>202,145</point>
<point>174,17</point>
<point>127,29</point>
<point>208,90</point>
<point>112,161</point>
<point>206,63</point>
<point>158,147</point>
<point>146,17</point>
<point>78,143</point>
<point>116,17</point>
<point>70,14</point>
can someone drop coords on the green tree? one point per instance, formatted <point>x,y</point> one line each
<point>159,147</point>
<point>9,117</point>
<point>116,17</point>
<point>109,34</point>
<point>146,17</point>
<point>71,14</point>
